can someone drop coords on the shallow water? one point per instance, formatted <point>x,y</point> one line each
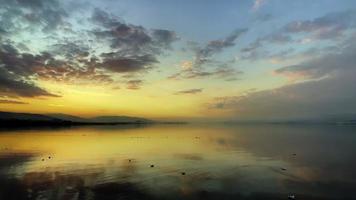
<point>179,162</point>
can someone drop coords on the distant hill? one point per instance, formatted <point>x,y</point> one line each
<point>17,120</point>
<point>112,119</point>
<point>26,119</point>
<point>102,119</point>
<point>25,116</point>
<point>68,117</point>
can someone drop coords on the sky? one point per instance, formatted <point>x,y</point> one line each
<point>179,59</point>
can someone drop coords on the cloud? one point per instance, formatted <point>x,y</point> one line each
<point>134,47</point>
<point>133,63</point>
<point>16,71</point>
<point>258,4</point>
<point>134,84</point>
<point>6,101</point>
<point>73,75</point>
<point>332,26</point>
<point>341,59</point>
<point>225,102</point>
<point>71,50</point>
<point>22,64</point>
<point>326,89</point>
<point>46,15</point>
<point>13,86</point>
<point>164,38</point>
<point>329,26</point>
<point>256,50</point>
<point>201,66</point>
<point>224,72</point>
<point>94,52</point>
<point>191,91</point>
<point>307,100</point>
<point>204,54</point>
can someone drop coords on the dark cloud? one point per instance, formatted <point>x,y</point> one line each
<point>123,64</point>
<point>70,50</point>
<point>213,47</point>
<point>255,50</point>
<point>6,101</point>
<point>204,64</point>
<point>35,4</point>
<point>105,19</point>
<point>16,71</point>
<point>134,47</point>
<point>328,27</point>
<point>130,37</point>
<point>326,64</point>
<point>190,91</point>
<point>306,100</point>
<point>72,56</point>
<point>11,85</point>
<point>19,71</point>
<point>48,15</point>
<point>164,37</point>
<point>326,89</point>
<point>69,74</point>
<point>224,72</point>
<point>134,84</point>
<point>22,64</point>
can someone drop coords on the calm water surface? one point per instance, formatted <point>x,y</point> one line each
<point>179,162</point>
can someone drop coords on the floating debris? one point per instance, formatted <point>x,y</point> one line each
<point>284,169</point>
<point>43,159</point>
<point>129,160</point>
<point>183,173</point>
<point>49,157</point>
<point>294,154</point>
<point>152,166</point>
<point>292,197</point>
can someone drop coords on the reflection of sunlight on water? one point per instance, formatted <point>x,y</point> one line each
<point>185,159</point>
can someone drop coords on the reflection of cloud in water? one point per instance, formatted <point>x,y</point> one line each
<point>8,160</point>
<point>236,162</point>
<point>189,156</point>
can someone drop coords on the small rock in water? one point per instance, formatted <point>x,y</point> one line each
<point>284,169</point>
<point>43,159</point>
<point>152,166</point>
<point>294,154</point>
<point>292,197</point>
<point>183,173</point>
<point>49,157</point>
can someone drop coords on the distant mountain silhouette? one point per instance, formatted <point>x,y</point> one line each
<point>111,119</point>
<point>11,119</point>
<point>101,119</point>
<point>67,117</point>
<point>25,116</point>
